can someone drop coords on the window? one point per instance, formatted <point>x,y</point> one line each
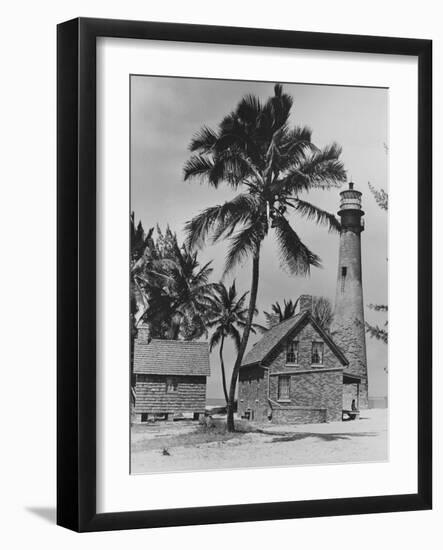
<point>171,385</point>
<point>292,352</point>
<point>283,388</point>
<point>317,353</point>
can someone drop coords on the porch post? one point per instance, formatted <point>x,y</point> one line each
<point>358,396</point>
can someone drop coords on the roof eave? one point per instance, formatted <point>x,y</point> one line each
<point>339,354</point>
<point>297,324</point>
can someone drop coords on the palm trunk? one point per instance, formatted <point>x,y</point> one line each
<point>222,364</point>
<point>244,340</point>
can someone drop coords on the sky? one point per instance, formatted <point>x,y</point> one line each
<point>167,111</point>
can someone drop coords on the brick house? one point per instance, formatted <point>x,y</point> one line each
<point>295,373</point>
<point>170,378</point>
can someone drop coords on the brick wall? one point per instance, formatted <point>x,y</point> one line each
<point>318,389</point>
<point>151,396</point>
<point>305,337</point>
<point>348,326</point>
<point>298,416</point>
<point>315,396</point>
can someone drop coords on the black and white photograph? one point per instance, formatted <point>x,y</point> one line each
<point>258,274</point>
<point>224,217</point>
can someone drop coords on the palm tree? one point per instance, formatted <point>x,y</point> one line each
<point>171,288</point>
<point>280,313</point>
<point>179,302</point>
<point>228,316</point>
<point>321,311</point>
<point>256,152</point>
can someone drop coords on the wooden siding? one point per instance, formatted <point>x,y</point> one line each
<point>151,396</point>
<point>252,393</point>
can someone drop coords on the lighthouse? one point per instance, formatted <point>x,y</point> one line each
<point>348,326</point>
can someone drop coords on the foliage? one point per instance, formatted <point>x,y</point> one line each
<point>280,313</point>
<point>382,199</point>
<point>170,289</point>
<point>139,240</point>
<point>323,312</point>
<point>257,153</point>
<point>255,150</point>
<point>380,196</point>
<point>227,316</point>
<point>378,307</point>
<point>377,332</point>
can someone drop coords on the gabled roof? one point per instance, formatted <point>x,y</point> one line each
<point>172,357</point>
<point>272,338</point>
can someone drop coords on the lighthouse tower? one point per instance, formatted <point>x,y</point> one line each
<point>348,326</point>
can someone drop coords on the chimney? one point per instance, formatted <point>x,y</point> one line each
<point>143,334</point>
<point>305,303</point>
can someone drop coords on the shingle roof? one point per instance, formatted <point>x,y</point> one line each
<point>270,339</point>
<point>172,357</point>
<point>275,335</point>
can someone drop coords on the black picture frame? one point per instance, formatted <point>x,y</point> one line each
<point>76,280</point>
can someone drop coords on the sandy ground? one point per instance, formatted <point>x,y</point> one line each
<point>363,440</point>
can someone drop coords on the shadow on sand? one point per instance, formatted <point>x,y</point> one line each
<point>324,437</point>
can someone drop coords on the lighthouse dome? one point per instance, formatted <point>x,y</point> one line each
<point>350,199</point>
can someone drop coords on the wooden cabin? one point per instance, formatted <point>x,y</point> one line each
<point>295,374</point>
<point>170,378</point>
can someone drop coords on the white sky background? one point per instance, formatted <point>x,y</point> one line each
<point>166,112</point>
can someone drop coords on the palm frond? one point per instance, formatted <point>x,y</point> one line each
<point>295,147</point>
<point>235,335</point>
<point>244,243</point>
<point>197,166</point>
<point>297,134</point>
<point>201,225</point>
<point>295,255</point>
<point>203,274</point>
<point>220,220</point>
<point>249,109</point>
<point>215,338</point>
<point>276,111</point>
<point>324,169</point>
<point>312,212</point>
<point>239,308</point>
<point>241,209</point>
<point>203,140</point>
<point>294,182</point>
